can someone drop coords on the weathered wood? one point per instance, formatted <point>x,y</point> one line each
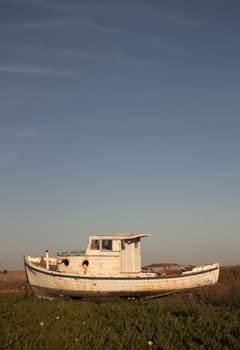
<point>110,266</point>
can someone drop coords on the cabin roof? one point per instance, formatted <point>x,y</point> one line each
<point>121,236</point>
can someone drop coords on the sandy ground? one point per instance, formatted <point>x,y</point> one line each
<point>12,281</point>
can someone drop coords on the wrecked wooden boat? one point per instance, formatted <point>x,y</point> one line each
<point>110,266</point>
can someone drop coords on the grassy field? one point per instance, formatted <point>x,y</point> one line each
<point>207,318</point>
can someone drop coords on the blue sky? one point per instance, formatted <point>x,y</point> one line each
<point>120,116</point>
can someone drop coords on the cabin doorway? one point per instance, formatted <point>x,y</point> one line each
<point>130,257</point>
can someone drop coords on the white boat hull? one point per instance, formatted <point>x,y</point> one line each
<point>47,283</point>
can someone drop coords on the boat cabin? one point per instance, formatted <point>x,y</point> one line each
<point>106,255</point>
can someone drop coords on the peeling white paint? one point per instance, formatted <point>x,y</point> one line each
<point>111,265</point>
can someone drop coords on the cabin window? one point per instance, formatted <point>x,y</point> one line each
<point>123,244</point>
<point>95,244</point>
<point>107,244</point>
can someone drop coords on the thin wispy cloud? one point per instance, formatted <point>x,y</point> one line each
<point>88,23</point>
<point>37,70</point>
<point>41,4</point>
<point>182,20</point>
<point>14,144</point>
<point>173,16</point>
<point>56,5</point>
<point>25,134</point>
<point>43,23</point>
<point>104,52</point>
<point>74,53</point>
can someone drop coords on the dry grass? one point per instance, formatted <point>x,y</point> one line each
<point>225,292</point>
<point>12,281</point>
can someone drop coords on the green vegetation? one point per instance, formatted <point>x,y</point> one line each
<point>207,318</point>
<point>28,323</point>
